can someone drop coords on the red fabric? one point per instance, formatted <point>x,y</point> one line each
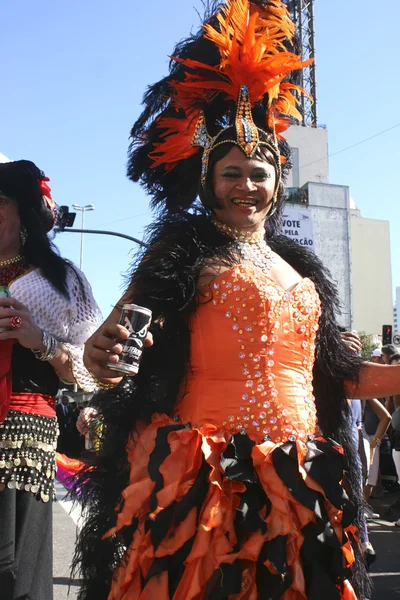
<point>5,377</point>
<point>37,404</point>
<point>67,468</point>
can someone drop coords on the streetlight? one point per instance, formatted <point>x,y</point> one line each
<point>83,209</point>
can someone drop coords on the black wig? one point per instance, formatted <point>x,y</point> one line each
<point>19,181</point>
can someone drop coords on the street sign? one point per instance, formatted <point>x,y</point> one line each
<point>396,339</point>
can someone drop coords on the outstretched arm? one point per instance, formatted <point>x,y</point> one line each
<point>375,381</point>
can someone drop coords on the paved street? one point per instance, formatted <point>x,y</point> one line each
<point>384,536</point>
<point>63,547</point>
<point>386,570</point>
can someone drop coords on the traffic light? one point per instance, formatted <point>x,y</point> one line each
<point>387,331</point>
<point>64,217</point>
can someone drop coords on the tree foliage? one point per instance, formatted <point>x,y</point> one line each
<point>367,345</point>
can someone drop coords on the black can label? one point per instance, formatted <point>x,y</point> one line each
<point>136,319</point>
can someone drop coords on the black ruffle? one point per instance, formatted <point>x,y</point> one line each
<point>321,552</point>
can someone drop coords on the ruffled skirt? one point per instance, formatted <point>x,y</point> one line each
<point>210,515</point>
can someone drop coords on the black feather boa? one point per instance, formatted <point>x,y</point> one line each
<point>164,280</point>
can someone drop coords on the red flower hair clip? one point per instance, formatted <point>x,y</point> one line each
<point>46,192</point>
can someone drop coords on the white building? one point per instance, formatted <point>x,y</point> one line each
<point>396,312</point>
<point>341,236</point>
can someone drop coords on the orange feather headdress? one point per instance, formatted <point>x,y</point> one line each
<point>237,66</point>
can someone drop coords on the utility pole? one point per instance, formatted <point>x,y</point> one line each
<point>83,209</point>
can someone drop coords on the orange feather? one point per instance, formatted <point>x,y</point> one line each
<point>251,42</point>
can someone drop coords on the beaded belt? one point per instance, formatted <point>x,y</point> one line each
<point>27,453</point>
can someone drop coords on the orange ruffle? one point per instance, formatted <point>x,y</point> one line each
<point>213,528</point>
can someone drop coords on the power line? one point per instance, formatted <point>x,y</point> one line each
<point>352,146</point>
<point>127,218</point>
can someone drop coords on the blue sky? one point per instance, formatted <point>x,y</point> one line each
<point>73,75</point>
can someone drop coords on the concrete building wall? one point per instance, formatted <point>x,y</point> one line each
<point>328,205</point>
<point>344,240</point>
<point>371,273</point>
<point>310,155</point>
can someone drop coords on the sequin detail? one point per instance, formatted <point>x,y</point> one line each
<point>256,310</point>
<point>27,454</point>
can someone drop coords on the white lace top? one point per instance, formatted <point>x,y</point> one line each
<point>71,322</point>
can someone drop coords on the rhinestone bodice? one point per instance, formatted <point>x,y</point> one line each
<point>252,356</point>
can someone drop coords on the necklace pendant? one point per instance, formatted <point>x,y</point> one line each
<point>251,245</point>
<point>259,254</point>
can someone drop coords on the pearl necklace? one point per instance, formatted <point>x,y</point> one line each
<point>10,261</point>
<point>251,245</point>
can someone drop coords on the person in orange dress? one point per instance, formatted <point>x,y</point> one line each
<point>226,469</point>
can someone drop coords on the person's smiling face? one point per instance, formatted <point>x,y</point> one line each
<point>244,189</point>
<point>10,226</point>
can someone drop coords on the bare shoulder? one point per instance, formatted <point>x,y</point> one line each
<point>283,273</point>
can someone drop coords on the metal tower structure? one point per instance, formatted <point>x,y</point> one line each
<point>302,13</point>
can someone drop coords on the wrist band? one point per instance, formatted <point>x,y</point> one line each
<point>376,440</point>
<point>49,347</point>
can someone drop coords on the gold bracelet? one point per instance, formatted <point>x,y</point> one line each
<point>101,385</point>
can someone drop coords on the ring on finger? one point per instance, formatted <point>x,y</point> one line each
<point>16,322</point>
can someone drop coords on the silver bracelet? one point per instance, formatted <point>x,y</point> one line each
<point>48,349</point>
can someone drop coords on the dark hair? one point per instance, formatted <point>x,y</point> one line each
<point>394,357</point>
<point>263,152</point>
<point>19,181</point>
<point>388,349</point>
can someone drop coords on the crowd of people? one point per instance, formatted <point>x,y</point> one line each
<point>383,425</point>
<point>228,466</point>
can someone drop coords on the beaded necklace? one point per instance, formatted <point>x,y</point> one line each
<point>251,245</point>
<point>10,261</point>
<point>11,269</point>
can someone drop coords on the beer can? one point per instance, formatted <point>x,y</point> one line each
<point>93,436</point>
<point>4,293</point>
<point>136,319</point>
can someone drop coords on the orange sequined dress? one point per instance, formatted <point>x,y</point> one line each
<point>238,496</point>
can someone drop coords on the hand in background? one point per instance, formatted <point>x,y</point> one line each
<point>86,415</point>
<point>352,342</point>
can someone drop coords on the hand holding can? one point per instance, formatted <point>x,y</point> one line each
<point>136,319</point>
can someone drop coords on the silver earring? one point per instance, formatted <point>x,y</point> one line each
<point>24,235</point>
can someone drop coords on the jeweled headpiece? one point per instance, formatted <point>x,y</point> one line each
<point>235,73</point>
